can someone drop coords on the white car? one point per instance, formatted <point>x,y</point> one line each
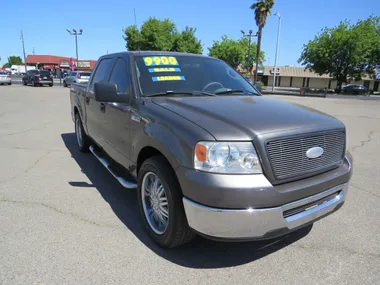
<point>5,78</point>
<point>76,77</point>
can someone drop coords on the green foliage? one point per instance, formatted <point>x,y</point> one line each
<point>262,11</point>
<point>161,35</point>
<point>6,65</point>
<point>234,52</point>
<point>346,51</point>
<point>14,60</point>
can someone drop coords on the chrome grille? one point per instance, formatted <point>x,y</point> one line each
<point>288,156</point>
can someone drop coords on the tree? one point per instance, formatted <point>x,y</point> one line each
<point>6,65</point>
<point>345,51</point>
<point>161,35</point>
<point>262,10</point>
<point>14,60</point>
<point>186,41</point>
<point>235,52</point>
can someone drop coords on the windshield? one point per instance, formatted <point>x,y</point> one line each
<point>159,74</point>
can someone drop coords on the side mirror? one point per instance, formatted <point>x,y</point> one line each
<point>107,92</point>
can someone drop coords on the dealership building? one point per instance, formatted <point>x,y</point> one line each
<point>297,77</point>
<point>53,62</point>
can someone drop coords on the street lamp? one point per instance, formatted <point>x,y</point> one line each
<point>278,43</point>
<point>75,33</point>
<point>249,36</point>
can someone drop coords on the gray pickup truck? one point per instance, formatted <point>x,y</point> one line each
<point>206,153</point>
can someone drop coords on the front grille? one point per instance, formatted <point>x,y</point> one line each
<point>288,156</point>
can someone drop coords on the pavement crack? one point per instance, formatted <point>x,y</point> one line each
<point>28,169</point>
<point>59,211</point>
<point>363,143</point>
<point>25,131</point>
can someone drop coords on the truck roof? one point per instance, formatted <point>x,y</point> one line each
<point>146,53</point>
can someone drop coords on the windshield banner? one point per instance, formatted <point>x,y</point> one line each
<point>168,78</point>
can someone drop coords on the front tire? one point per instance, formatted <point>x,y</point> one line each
<point>83,141</point>
<point>9,83</point>
<point>160,201</point>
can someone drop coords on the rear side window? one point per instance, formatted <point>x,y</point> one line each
<point>102,72</point>
<point>120,77</point>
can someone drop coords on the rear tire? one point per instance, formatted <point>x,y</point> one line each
<point>83,141</point>
<point>24,82</point>
<point>176,230</point>
<point>34,84</point>
<point>64,83</point>
<point>51,85</point>
<point>10,83</point>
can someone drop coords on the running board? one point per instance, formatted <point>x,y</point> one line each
<point>125,183</point>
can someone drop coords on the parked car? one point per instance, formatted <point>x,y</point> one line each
<point>355,89</point>
<point>206,152</point>
<point>76,77</point>
<point>38,78</point>
<point>5,78</point>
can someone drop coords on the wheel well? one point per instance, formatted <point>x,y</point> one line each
<point>146,153</point>
<point>75,110</point>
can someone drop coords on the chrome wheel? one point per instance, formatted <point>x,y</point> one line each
<point>78,131</point>
<point>155,203</point>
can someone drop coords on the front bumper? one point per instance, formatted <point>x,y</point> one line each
<point>251,224</point>
<point>44,82</point>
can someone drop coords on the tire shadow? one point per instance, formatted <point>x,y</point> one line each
<point>199,253</point>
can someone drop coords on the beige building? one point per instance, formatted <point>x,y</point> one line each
<point>297,77</point>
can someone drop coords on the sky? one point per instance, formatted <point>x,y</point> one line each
<point>44,23</point>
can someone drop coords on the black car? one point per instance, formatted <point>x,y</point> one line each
<point>38,78</point>
<point>355,89</point>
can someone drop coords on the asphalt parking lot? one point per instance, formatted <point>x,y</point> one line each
<point>65,220</point>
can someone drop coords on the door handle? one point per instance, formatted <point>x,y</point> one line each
<point>87,100</point>
<point>103,107</point>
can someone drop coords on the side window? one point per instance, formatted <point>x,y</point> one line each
<point>120,76</point>
<point>102,71</point>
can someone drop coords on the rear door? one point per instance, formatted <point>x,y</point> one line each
<point>94,114</point>
<point>118,115</point>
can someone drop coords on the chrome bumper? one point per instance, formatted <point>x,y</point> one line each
<point>260,223</point>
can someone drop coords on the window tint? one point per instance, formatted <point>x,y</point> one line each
<point>120,78</point>
<point>85,73</point>
<point>45,72</point>
<point>73,73</point>
<point>102,72</point>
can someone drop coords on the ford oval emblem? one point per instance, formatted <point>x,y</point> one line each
<point>314,152</point>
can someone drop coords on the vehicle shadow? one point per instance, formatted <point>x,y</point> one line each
<point>200,253</point>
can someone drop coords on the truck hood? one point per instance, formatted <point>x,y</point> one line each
<point>245,117</point>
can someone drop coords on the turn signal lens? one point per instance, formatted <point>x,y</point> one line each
<point>201,152</point>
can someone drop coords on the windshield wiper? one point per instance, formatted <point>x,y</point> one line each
<point>190,93</point>
<point>229,91</point>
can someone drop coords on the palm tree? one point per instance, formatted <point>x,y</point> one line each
<point>262,10</point>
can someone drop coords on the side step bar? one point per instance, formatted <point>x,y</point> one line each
<point>122,181</point>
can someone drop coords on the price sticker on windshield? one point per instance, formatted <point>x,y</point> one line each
<point>164,69</point>
<point>168,78</point>
<point>160,60</point>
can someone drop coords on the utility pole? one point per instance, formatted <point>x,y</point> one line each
<point>249,36</point>
<point>76,34</point>
<point>34,51</point>
<point>278,43</point>
<point>23,49</point>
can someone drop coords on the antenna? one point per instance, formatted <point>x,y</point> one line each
<point>134,12</point>
<point>34,51</point>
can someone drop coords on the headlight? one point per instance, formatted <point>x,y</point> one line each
<point>226,157</point>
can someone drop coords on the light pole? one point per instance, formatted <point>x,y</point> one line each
<point>249,36</point>
<point>278,43</point>
<point>76,34</point>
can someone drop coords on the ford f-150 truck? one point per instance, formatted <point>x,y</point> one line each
<point>206,153</point>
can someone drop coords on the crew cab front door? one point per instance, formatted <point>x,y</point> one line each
<point>95,114</point>
<point>118,115</point>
